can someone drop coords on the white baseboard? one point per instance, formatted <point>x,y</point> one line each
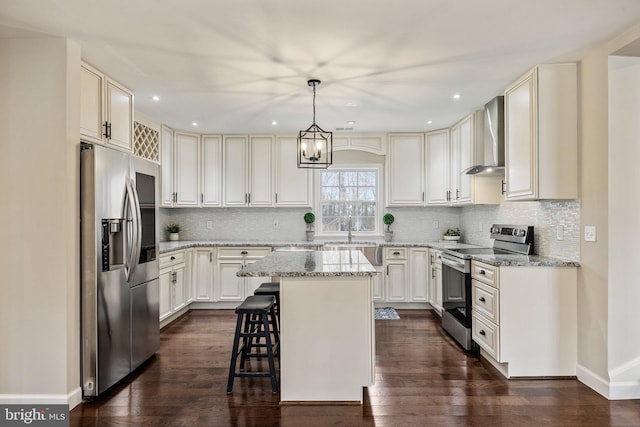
<point>612,390</point>
<point>72,399</point>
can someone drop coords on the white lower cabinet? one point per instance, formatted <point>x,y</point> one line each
<point>525,318</point>
<point>230,260</point>
<point>203,274</point>
<point>418,274</point>
<point>435,280</point>
<point>174,289</point>
<point>378,285</point>
<point>396,280</point>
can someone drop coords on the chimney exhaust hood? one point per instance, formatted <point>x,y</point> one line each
<point>490,151</point>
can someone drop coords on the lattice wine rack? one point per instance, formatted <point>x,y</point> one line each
<point>147,142</point>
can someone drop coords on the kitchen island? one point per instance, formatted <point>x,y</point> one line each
<point>327,332</point>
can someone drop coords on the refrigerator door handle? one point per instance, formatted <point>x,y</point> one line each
<point>132,203</point>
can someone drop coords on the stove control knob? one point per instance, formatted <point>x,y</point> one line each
<point>495,230</point>
<point>521,232</point>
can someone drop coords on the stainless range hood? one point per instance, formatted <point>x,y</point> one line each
<point>491,149</point>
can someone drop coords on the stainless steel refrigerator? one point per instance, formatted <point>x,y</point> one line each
<point>119,246</point>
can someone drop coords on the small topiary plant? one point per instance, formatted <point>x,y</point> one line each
<point>452,232</point>
<point>173,228</point>
<point>309,218</point>
<point>388,220</point>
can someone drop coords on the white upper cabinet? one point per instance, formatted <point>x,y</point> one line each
<point>437,152</point>
<point>541,134</point>
<point>211,176</point>
<point>191,169</point>
<point>293,184</point>
<point>106,110</point>
<point>119,115</point>
<point>166,167</point>
<point>187,172</point>
<point>248,172</point>
<point>91,104</point>
<point>463,138</point>
<point>405,169</point>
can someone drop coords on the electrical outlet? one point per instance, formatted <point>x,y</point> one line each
<point>436,225</point>
<point>560,232</point>
<point>209,225</point>
<point>275,224</point>
<point>589,233</point>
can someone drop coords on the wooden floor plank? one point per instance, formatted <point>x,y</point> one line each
<point>422,379</point>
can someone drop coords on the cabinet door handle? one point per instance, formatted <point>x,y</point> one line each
<point>249,198</point>
<point>482,272</point>
<point>503,186</point>
<point>173,258</point>
<point>202,198</point>
<point>107,130</point>
<point>457,194</point>
<point>387,270</point>
<point>482,332</point>
<point>210,256</point>
<point>276,197</point>
<point>396,253</point>
<point>244,253</point>
<point>245,198</point>
<point>423,196</point>
<point>482,299</point>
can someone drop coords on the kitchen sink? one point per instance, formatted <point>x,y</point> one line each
<point>371,250</point>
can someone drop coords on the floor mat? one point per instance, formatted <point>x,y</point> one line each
<point>386,313</point>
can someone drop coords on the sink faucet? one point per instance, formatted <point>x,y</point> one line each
<point>349,225</point>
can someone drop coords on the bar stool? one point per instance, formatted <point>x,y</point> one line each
<point>270,288</point>
<point>256,309</point>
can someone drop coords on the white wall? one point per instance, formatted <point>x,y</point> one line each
<point>39,296</point>
<point>607,360</point>
<point>624,226</point>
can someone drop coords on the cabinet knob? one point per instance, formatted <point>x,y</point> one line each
<point>482,333</point>
<point>482,299</point>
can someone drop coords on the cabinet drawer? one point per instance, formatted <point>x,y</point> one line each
<point>395,253</point>
<point>486,334</point>
<point>485,273</point>
<point>485,300</point>
<point>243,253</point>
<point>171,258</point>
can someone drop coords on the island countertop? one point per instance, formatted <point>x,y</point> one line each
<point>310,264</point>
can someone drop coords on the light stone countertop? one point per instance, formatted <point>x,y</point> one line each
<point>497,260</point>
<point>310,264</point>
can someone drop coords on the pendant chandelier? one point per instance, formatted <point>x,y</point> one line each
<point>315,146</point>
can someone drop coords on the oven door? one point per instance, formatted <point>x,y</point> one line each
<point>456,293</point>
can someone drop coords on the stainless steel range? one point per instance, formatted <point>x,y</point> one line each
<point>456,277</point>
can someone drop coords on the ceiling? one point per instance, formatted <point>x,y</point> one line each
<point>236,66</point>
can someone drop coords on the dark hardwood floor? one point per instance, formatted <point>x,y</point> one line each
<point>422,379</point>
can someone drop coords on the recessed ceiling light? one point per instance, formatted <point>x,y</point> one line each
<point>429,122</point>
<point>274,123</point>
<point>194,124</point>
<point>351,122</point>
<point>155,98</point>
<point>456,96</point>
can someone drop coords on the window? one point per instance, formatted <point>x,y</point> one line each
<point>349,191</point>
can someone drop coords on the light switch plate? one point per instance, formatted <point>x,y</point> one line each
<point>436,225</point>
<point>589,233</point>
<point>560,232</point>
<point>209,225</point>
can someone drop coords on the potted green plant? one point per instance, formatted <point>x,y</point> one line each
<point>388,219</point>
<point>452,234</point>
<point>309,219</point>
<point>173,230</point>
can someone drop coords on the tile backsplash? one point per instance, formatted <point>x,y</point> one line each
<point>411,224</point>
<point>544,216</point>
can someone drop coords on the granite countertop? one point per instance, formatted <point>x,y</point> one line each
<point>516,260</point>
<point>497,260</point>
<point>310,264</point>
